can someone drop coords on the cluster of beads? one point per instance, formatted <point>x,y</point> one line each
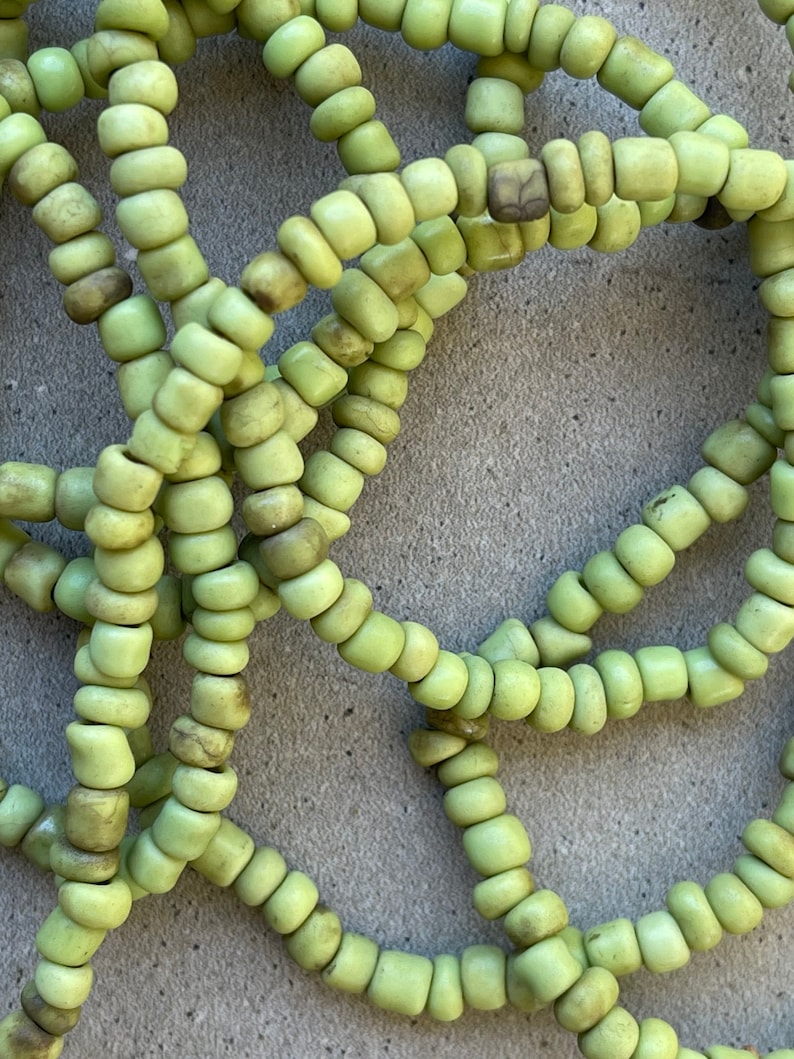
<point>207,410</point>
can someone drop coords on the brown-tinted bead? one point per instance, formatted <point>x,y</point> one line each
<point>57,1021</point>
<point>199,744</point>
<point>21,1038</point>
<point>273,282</point>
<point>518,191</point>
<point>714,217</point>
<point>96,820</point>
<point>89,297</point>
<point>77,864</point>
<point>295,550</point>
<point>452,723</point>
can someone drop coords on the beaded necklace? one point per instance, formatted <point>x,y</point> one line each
<point>384,311</point>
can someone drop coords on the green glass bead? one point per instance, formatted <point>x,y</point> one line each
<point>200,789</point>
<point>540,915</point>
<point>254,416</point>
<point>14,39</point>
<point>133,329</point>
<point>361,301</point>
<point>347,615</point>
<point>124,707</point>
<point>314,944</point>
<point>360,450</point>
<point>388,204</point>
<point>549,30</point>
<point>756,180</point>
<point>677,517</point>
<point>173,270</point>
<point>476,699</point>
<point>586,46</point>
<point>633,72</point>
<point>781,481</point>
<point>616,1036</point>
<point>663,672</point>
<point>67,212</point>
<point>38,840</point>
<point>183,833</point>
<point>264,873</point>
<point>547,969</point>
<point>292,44</point>
<point>587,1001</point>
<point>400,270</point>
<point>482,974</point>
<point>739,452</point>
<point>102,907</point>
<point>312,373</point>
<point>494,104</point>
<point>301,241</point>
<point>736,907</point>
<point>152,218</point>
<point>470,171</point>
<point>57,79</point>
<point>332,481</point>
<point>151,868</point>
<point>39,171</point>
<point>511,639</point>
<point>20,807</point>
<point>341,112</point>
<point>96,819</point>
<point>473,761</point>
<point>21,1036</point>
<point>598,171</point>
<point>291,903</point>
<point>735,653</point>
<point>57,1021</point>
<point>516,689</point>
<point>73,863</point>
<point>772,844</point>
<point>63,987</point>
<point>63,941</point>
<point>662,944</point>
<point>590,703</point>
<point>369,148</point>
<point>765,623</point>
<point>518,24</point>
<point>376,645</point>
<point>619,224</point>
<point>645,168</point>
<point>723,498</point>
<point>496,845</point>
<point>325,73</point>
<point>445,999</point>
<point>771,888</point>
<point>614,946</point>
<point>570,231</point>
<point>310,594</point>
<point>352,968</point>
<point>769,574</point>
<point>710,684</point>
<point>229,852</point>
<point>556,702</point>
<point>441,294</point>
<point>557,645</point>
<point>27,491</point>
<point>100,755</point>
<point>115,530</point>
<point>130,569</point>
<point>81,256</point>
<point>494,897</point>
<point>401,982</point>
<point>419,654</point>
<point>671,108</point>
<point>478,799</point>
<point>148,169</point>
<point>610,584</point>
<point>443,687</point>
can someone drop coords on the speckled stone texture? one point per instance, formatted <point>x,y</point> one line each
<point>553,404</point>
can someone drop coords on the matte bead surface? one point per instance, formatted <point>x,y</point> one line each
<point>588,1000</point>
<point>496,845</point>
<point>353,966</point>
<point>401,982</point>
<point>614,946</point>
<point>291,903</point>
<point>482,972</point>
<point>445,999</point>
<point>547,969</point>
<point>736,907</point>
<point>662,944</point>
<point>677,517</point>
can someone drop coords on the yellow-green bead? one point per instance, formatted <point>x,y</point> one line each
<point>772,889</point>
<point>540,915</point>
<point>445,684</point>
<point>429,746</point>
<point>494,105</point>
<point>590,703</point>
<point>67,212</point>
<point>13,39</point>
<point>209,356</point>
<point>496,845</point>
<point>39,171</point>
<point>20,807</point>
<point>431,187</point>
<point>360,450</point>
<point>677,517</point>
<point>739,451</point>
<point>262,875</point>
<point>735,653</point>
<point>765,623</point>
<point>340,113</point>
<point>100,907</point>
<point>470,171</point>
<point>27,491</point>
<point>96,820</point>
<point>314,944</point>
<point>756,180</point>
<point>610,584</point>
<point>495,896</point>
<point>482,971</point>
<point>325,73</point>
<point>419,654</point>
<point>570,231</point>
<point>32,573</point>
<point>614,945</point>
<point>376,645</point>
<point>331,480</point>
<point>223,626</point>
<point>556,701</point>
<point>17,88</point>
<point>183,833</point>
<point>310,594</point>
<point>565,175</point>
<point>710,684</point>
<point>595,154</point>
<point>346,615</point>
<point>372,417</point>
<point>353,966</point>
<point>772,843</point>
<point>369,148</point>
<point>491,245</point>
<point>152,218</point>
<point>216,657</point>
<point>361,301</point>
<point>703,162</point>
<point>304,244</point>
<point>292,44</point>
<point>400,982</point>
<point>478,799</point>
<point>173,270</point>
<point>511,639</point>
<point>663,671</point>
<point>474,761</point>
<point>737,908</point>
<point>148,169</point>
<point>63,987</point>
<point>516,689</point>
<point>56,77</point>
<point>100,755</point>
<point>151,868</point>
<point>400,270</point>
<point>586,46</point>
<point>723,498</point>
<point>63,941</point>
<point>619,224</point>
<point>690,907</point>
<point>131,569</point>
<point>345,223</point>
<point>445,999</point>
<point>80,256</point>
<point>550,28</point>
<point>671,108</point>
<point>202,790</point>
<point>645,168</point>
<point>662,944</point>
<point>587,1001</point>
<point>312,373</point>
<point>424,26</point>
<point>149,17</point>
<point>291,904</point>
<point>38,840</point>
<point>125,707</point>
<point>109,528</point>
<point>615,1037</point>
<point>120,651</point>
<point>547,969</point>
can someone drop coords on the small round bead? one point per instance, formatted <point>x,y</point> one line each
<point>616,1036</point>
<point>376,645</point>
<point>39,171</point>
<point>20,807</point>
<point>100,755</point>
<point>445,684</point>
<point>22,1038</point>
<point>445,999</point>
<point>677,517</point>
<point>361,301</point>
<point>549,29</point>
<point>352,968</point>
<point>292,44</point>
<point>496,845</point>
<point>400,982</point>
<point>96,820</point>
<point>735,653</point>
<point>326,72</point>
<point>482,972</point>
<point>300,240</point>
<point>722,497</point>
<point>67,212</point>
<point>662,944</point>
<point>57,78</point>
<point>614,946</point>
<point>663,672</point>
<point>517,689</point>
<point>478,799</point>
<point>710,684</point>
<point>569,231</point>
<point>547,969</point>
<point>494,105</point>
<point>595,155</point>
<point>736,907</point>
<point>347,615</point>
<point>148,169</point>
<point>765,623</point>
<point>772,844</point>
<point>63,941</point>
<point>100,907</point>
<point>564,174</point>
<point>756,180</point>
<point>771,888</point>
<point>586,46</point>
<point>495,896</point>
<point>57,1021</point>
<point>473,761</point>
<point>419,654</point>
<point>290,905</point>
<point>556,701</point>
<point>313,592</point>
<point>671,108</point>
<point>183,833</point>
<point>540,915</point>
<point>588,1000</point>
<point>202,790</point>
<point>73,863</point>
<point>610,584</point>
<point>63,987</point>
<point>372,417</point>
